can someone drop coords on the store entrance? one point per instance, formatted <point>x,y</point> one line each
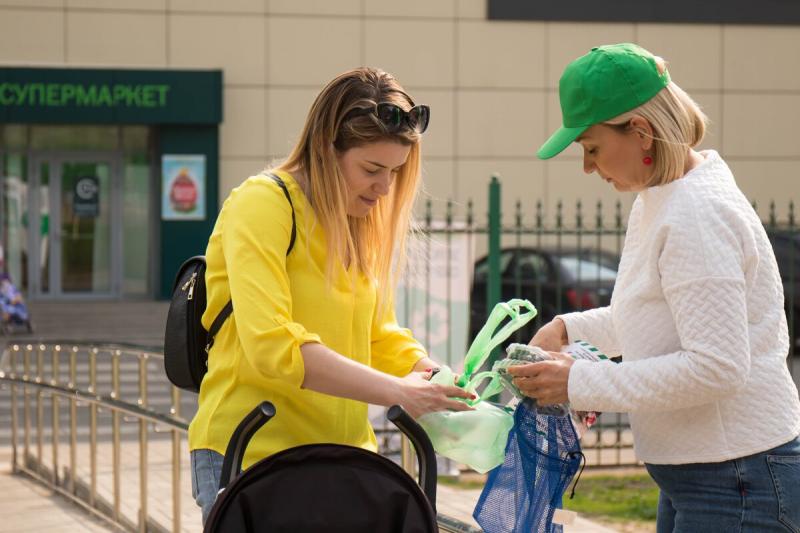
<point>76,208</point>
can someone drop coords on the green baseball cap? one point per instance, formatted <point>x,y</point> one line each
<point>606,82</point>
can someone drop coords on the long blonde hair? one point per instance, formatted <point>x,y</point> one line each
<point>370,243</point>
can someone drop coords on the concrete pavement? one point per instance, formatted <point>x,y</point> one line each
<point>27,506</point>
<point>453,502</point>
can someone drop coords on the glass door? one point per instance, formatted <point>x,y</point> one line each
<point>79,221</point>
<point>15,216</point>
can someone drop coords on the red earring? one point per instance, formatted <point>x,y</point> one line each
<point>647,160</point>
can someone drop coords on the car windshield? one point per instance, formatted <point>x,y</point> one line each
<point>586,270</point>
<point>482,268</point>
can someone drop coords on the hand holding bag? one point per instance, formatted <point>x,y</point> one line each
<point>478,438</point>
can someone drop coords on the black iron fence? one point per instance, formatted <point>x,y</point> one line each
<point>562,259</point>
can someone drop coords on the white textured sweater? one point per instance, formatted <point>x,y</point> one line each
<point>697,312</point>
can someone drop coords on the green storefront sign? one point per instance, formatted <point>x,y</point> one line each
<point>101,96</point>
<point>184,108</point>
<point>67,94</point>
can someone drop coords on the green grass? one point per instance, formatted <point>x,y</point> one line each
<point>625,497</point>
<point>460,483</point>
<point>628,497</point>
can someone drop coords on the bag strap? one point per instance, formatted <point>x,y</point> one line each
<point>519,312</point>
<point>221,318</point>
<point>282,185</point>
<point>228,309</point>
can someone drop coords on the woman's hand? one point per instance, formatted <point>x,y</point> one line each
<point>331,373</point>
<point>552,336</point>
<point>419,396</point>
<point>546,381</point>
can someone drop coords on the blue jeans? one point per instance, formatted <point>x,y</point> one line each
<point>206,468</point>
<point>757,493</point>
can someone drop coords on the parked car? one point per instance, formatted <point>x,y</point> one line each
<point>560,281</point>
<point>786,245</point>
<point>554,280</point>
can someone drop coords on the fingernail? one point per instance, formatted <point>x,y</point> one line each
<point>472,396</point>
<point>428,369</point>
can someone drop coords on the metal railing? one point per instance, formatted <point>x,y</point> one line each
<point>62,396</point>
<point>35,373</point>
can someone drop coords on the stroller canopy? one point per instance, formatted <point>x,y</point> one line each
<point>323,487</point>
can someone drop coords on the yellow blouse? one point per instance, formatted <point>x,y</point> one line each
<point>279,303</point>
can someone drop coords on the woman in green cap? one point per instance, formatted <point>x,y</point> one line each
<point>697,309</point>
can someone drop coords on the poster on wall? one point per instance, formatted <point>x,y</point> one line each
<point>183,190</point>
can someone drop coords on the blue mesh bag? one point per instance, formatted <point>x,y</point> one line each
<point>542,456</point>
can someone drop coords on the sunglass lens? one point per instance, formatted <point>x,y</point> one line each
<point>391,115</point>
<point>418,118</point>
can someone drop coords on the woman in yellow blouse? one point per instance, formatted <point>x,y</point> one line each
<point>314,331</point>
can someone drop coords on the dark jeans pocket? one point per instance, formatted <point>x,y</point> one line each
<point>785,472</point>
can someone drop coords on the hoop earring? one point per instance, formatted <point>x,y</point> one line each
<point>647,160</point>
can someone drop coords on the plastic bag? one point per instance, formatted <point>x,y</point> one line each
<point>542,456</point>
<point>521,354</point>
<point>478,438</point>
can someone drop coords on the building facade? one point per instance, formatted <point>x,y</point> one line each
<point>107,108</point>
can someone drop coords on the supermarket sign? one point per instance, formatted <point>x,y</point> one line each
<point>118,96</point>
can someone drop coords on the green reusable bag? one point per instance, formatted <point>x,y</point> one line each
<point>478,438</point>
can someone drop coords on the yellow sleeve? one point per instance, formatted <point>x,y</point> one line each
<point>395,351</point>
<point>255,237</point>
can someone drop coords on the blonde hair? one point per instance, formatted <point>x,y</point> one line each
<point>368,243</point>
<point>678,125</point>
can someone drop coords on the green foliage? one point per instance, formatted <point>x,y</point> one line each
<point>462,483</point>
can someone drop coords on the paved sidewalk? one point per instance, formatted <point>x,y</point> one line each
<point>141,322</point>
<point>453,502</point>
<point>27,506</point>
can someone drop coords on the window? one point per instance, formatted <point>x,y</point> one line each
<point>530,266</point>
<point>583,270</point>
<point>787,254</point>
<point>482,268</point>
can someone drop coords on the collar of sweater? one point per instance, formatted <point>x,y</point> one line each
<point>712,166</point>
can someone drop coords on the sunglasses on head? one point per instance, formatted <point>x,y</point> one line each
<point>396,118</point>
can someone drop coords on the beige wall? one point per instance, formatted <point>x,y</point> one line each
<point>492,86</point>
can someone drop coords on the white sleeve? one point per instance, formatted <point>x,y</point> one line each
<point>701,268</point>
<point>714,362</point>
<point>593,326</point>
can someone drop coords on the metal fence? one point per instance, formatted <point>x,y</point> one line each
<point>100,425</point>
<point>538,254</point>
<point>82,420</point>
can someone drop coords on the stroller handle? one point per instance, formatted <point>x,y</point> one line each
<point>422,445</point>
<point>234,455</point>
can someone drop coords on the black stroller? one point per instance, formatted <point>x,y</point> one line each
<point>324,487</point>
